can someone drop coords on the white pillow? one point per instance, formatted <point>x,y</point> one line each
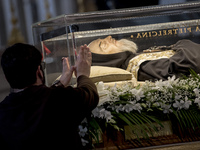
<point>109,74</point>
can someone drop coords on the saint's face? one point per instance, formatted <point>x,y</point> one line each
<point>105,46</point>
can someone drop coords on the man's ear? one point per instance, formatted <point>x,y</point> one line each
<point>39,73</point>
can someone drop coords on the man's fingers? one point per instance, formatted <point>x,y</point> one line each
<point>85,54</point>
<point>83,62</point>
<point>81,52</point>
<point>86,51</point>
<point>66,62</point>
<point>66,72</point>
<point>90,57</point>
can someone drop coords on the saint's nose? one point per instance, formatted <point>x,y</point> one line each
<point>108,38</point>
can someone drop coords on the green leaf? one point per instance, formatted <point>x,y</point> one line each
<point>94,136</point>
<point>194,113</point>
<point>141,123</point>
<point>95,129</point>
<point>177,117</point>
<point>147,119</point>
<point>182,118</point>
<point>188,119</point>
<point>122,117</point>
<point>137,124</point>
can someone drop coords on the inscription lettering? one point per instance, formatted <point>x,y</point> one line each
<point>166,32</point>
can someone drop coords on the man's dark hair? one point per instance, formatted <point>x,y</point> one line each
<point>19,63</point>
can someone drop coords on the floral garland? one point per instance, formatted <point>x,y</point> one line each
<point>169,97</point>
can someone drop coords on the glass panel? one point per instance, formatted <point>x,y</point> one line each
<point>150,26</point>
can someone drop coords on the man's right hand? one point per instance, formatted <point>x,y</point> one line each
<point>84,61</point>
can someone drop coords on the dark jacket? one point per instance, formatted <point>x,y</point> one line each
<point>45,118</point>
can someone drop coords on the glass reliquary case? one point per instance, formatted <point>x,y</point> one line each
<point>151,28</point>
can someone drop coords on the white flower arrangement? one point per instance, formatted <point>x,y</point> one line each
<point>174,96</point>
